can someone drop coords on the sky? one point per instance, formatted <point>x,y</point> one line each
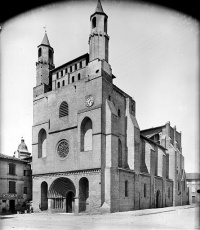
<point>153,52</point>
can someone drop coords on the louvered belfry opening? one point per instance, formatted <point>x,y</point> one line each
<point>63,111</point>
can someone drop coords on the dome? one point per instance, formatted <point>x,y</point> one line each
<point>22,148</point>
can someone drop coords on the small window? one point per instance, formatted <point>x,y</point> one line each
<point>12,169</point>
<point>126,188</point>
<point>65,70</point>
<point>40,52</point>
<point>61,73</point>
<point>79,77</point>
<point>63,110</point>
<point>93,22</point>
<point>25,190</point>
<point>75,66</point>
<point>24,172</point>
<point>119,113</point>
<point>63,83</point>
<point>58,84</point>
<point>145,190</point>
<point>119,153</point>
<point>70,68</point>
<point>12,187</point>
<point>57,75</point>
<point>50,54</point>
<point>72,79</point>
<point>80,64</point>
<point>109,98</point>
<point>105,25</point>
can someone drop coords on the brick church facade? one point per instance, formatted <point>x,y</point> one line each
<point>89,154</point>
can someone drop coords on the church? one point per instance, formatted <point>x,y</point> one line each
<point>89,154</point>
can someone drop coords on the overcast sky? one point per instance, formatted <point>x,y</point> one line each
<point>153,52</point>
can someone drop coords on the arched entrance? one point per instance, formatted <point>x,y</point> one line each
<point>158,199</point>
<point>83,194</point>
<point>44,199</point>
<point>62,192</point>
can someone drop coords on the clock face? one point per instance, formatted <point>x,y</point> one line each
<point>89,101</point>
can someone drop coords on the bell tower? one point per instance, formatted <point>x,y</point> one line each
<point>98,39</point>
<point>45,62</point>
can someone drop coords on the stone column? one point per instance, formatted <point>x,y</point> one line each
<point>76,205</point>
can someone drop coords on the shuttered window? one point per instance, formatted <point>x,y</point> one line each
<point>12,187</point>
<point>12,169</point>
<point>63,111</point>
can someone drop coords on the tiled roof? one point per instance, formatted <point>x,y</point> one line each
<point>192,176</point>
<point>3,156</point>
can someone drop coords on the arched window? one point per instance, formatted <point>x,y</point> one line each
<point>72,79</point>
<point>50,54</point>
<point>79,77</point>
<point>63,110</point>
<point>42,137</point>
<point>105,25</point>
<point>169,192</point>
<point>119,153</point>
<point>63,83</point>
<point>94,22</point>
<point>145,190</point>
<point>40,52</point>
<point>86,134</point>
<point>58,84</point>
<point>119,113</point>
<point>178,185</point>
<point>126,188</point>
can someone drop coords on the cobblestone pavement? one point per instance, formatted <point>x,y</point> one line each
<point>181,217</point>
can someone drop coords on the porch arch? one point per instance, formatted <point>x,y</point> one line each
<point>44,199</point>
<point>62,192</point>
<point>83,194</point>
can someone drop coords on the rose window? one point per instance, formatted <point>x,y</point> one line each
<point>63,148</point>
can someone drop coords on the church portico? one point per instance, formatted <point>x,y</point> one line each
<point>69,192</point>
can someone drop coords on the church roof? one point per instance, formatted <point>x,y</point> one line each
<point>99,8</point>
<point>45,40</point>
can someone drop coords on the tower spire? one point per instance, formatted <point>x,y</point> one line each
<point>45,40</point>
<point>99,8</point>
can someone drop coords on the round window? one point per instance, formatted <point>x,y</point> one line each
<point>63,148</point>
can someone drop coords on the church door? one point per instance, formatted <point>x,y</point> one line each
<point>158,199</point>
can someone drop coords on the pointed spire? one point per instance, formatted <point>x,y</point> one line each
<point>45,40</point>
<point>99,8</point>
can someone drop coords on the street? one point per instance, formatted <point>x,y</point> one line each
<point>181,217</point>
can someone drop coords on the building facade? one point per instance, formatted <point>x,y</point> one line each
<point>193,183</point>
<point>15,180</point>
<point>88,152</point>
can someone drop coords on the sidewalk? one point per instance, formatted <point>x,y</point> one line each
<point>143,212</point>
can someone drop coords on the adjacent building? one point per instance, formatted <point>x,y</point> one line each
<point>170,139</point>
<point>15,180</point>
<point>193,182</point>
<point>89,154</point>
